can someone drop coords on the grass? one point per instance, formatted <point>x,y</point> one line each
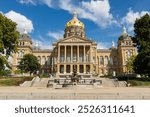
<point>139,83</point>
<point>7,81</point>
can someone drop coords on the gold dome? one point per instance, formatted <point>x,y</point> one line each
<point>75,22</point>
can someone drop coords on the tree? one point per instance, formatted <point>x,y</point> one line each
<point>8,35</point>
<point>130,64</point>
<point>29,63</point>
<point>3,63</point>
<point>8,40</point>
<point>142,40</point>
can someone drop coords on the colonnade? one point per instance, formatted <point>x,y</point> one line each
<point>72,57</point>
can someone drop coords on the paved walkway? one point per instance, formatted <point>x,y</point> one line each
<point>74,93</point>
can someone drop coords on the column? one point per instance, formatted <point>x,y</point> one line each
<point>84,54</point>
<point>84,66</point>
<point>78,53</point>
<point>71,67</point>
<point>58,54</point>
<point>91,64</point>
<point>65,54</point>
<point>64,68</point>
<point>71,53</point>
<point>90,54</point>
<point>96,60</point>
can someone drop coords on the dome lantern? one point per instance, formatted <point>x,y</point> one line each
<point>74,21</point>
<point>74,27</point>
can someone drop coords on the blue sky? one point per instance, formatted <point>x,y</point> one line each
<point>45,19</point>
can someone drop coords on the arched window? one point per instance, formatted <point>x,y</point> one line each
<point>111,60</point>
<point>101,60</point>
<point>20,53</point>
<point>106,60</point>
<point>48,60</point>
<point>128,54</point>
<point>39,59</point>
<point>43,60</point>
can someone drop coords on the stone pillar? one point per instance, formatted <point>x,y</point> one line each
<point>84,55</point>
<point>96,60</point>
<point>65,54</point>
<point>91,63</point>
<point>90,54</point>
<point>58,54</point>
<point>71,53</point>
<point>71,67</point>
<point>84,68</point>
<point>78,53</point>
<point>64,68</point>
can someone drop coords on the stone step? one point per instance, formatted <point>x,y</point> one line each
<point>26,84</point>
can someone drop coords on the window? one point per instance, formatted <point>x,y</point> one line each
<point>39,59</point>
<point>106,60</point>
<point>21,53</point>
<point>43,60</point>
<point>101,60</point>
<point>48,60</point>
<point>111,60</point>
<point>94,59</point>
<point>128,54</point>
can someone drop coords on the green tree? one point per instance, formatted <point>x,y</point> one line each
<point>130,64</point>
<point>8,39</point>
<point>8,35</point>
<point>29,63</point>
<point>142,40</point>
<point>3,63</point>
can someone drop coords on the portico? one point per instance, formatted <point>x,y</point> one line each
<point>74,56</point>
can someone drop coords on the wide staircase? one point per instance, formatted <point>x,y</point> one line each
<point>105,82</point>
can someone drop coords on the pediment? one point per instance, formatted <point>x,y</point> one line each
<point>74,40</point>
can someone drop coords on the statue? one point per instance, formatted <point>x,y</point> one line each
<point>74,76</point>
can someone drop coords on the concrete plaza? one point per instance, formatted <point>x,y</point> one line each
<point>75,93</point>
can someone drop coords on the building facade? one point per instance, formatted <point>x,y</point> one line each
<point>76,51</point>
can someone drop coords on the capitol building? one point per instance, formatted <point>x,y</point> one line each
<point>76,51</point>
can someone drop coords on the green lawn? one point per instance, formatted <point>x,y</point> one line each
<point>13,81</point>
<point>139,83</point>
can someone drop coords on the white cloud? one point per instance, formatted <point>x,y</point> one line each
<point>103,45</point>
<point>55,35</point>
<point>131,17</point>
<point>27,2</point>
<point>41,44</point>
<point>22,21</point>
<point>96,11</point>
<point>35,2</point>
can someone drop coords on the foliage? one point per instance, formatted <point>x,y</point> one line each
<point>29,63</point>
<point>8,39</point>
<point>139,83</point>
<point>142,40</point>
<point>8,35</point>
<point>18,72</point>
<point>130,64</point>
<point>3,63</point>
<point>5,72</point>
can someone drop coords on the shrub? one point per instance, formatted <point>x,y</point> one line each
<point>5,72</point>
